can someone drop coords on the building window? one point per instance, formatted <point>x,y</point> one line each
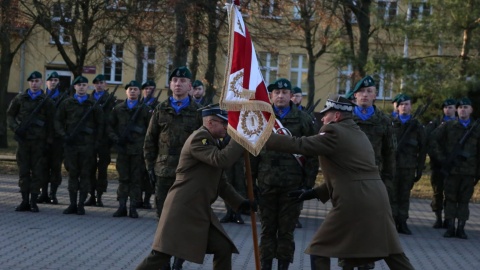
<point>270,8</point>
<point>113,63</point>
<point>306,5</point>
<point>299,71</point>
<point>61,15</point>
<point>169,69</point>
<point>387,9</point>
<point>116,4</point>
<point>419,10</point>
<point>385,83</point>
<point>268,66</point>
<point>148,69</point>
<point>344,80</point>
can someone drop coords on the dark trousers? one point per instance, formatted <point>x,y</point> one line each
<point>161,190</point>
<point>394,262</point>
<point>31,165</point>
<point>79,163</point>
<point>458,192</point>
<point>402,185</point>
<point>217,245</point>
<point>100,182</point>
<point>54,156</point>
<point>437,180</point>
<point>130,170</point>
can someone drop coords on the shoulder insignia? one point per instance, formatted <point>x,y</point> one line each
<point>204,142</point>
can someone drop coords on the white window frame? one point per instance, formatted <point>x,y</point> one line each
<point>296,10</point>
<point>345,75</point>
<point>266,68</point>
<point>146,61</point>
<point>168,70</point>
<point>388,3</point>
<point>299,70</point>
<point>274,5</point>
<point>385,85</point>
<point>422,9</point>
<point>110,77</point>
<point>116,4</point>
<point>56,22</point>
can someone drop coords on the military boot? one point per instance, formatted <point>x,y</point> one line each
<point>44,195</point>
<point>403,228</point>
<point>438,220</point>
<point>460,233</point>
<point>33,203</point>
<point>146,201</point>
<point>72,208</point>
<point>450,229</point>
<point>283,264</point>
<point>99,199</point>
<point>229,216</point>
<point>238,218</point>
<point>81,203</point>
<point>177,263</point>
<point>133,209</point>
<point>91,201</point>
<point>122,208</point>
<point>53,193</point>
<point>24,205</point>
<point>266,264</point>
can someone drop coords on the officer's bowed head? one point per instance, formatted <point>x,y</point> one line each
<point>215,110</point>
<point>338,103</point>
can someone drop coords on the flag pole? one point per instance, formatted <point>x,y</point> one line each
<point>248,174</point>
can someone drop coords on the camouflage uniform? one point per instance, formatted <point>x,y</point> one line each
<point>80,149</point>
<point>277,174</point>
<point>31,149</point>
<point>410,161</point>
<point>166,134</point>
<point>102,152</point>
<point>130,164</point>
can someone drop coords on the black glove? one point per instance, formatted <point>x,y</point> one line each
<point>152,177</point>
<point>247,206</point>
<point>303,195</point>
<point>418,176</point>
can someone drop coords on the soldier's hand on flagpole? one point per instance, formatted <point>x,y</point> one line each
<point>303,195</point>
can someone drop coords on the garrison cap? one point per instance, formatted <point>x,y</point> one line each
<point>448,102</point>
<point>280,84</point>
<point>34,75</point>
<point>149,83</point>
<point>132,83</point>
<point>366,81</point>
<point>214,109</point>
<point>464,101</point>
<point>197,83</point>
<point>401,98</point>
<point>297,90</point>
<point>80,79</point>
<point>181,72</point>
<point>338,103</point>
<point>99,78</point>
<point>53,75</point>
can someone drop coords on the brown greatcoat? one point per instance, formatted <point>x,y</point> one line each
<point>187,214</point>
<point>360,224</point>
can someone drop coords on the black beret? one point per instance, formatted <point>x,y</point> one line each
<point>401,98</point>
<point>132,83</point>
<point>366,81</point>
<point>197,83</point>
<point>149,83</point>
<point>448,102</point>
<point>280,84</point>
<point>34,75</point>
<point>464,101</point>
<point>99,78</point>
<point>181,72</point>
<point>297,90</point>
<point>80,79</point>
<point>53,75</point>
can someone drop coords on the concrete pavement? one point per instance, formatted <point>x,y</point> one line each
<point>97,241</point>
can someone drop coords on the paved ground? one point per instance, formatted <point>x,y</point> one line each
<point>51,240</point>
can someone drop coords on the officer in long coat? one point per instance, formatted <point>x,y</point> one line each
<point>188,228</point>
<point>359,228</point>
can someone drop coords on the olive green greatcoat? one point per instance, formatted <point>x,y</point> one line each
<point>187,215</point>
<point>360,224</point>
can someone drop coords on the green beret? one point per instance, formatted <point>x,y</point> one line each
<point>366,81</point>
<point>132,83</point>
<point>349,95</point>
<point>297,90</point>
<point>448,102</point>
<point>149,83</point>
<point>197,83</point>
<point>401,98</point>
<point>280,84</point>
<point>338,103</point>
<point>214,110</point>
<point>395,99</point>
<point>53,75</point>
<point>181,72</point>
<point>99,78</point>
<point>34,75</point>
<point>80,79</point>
<point>464,101</point>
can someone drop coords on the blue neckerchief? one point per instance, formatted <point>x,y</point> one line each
<point>198,100</point>
<point>465,123</point>
<point>55,93</point>
<point>447,118</point>
<point>80,99</point>
<point>131,103</point>
<point>284,111</point>
<point>183,103</point>
<point>149,101</point>
<point>394,114</point>
<point>34,95</point>
<point>364,113</point>
<point>404,118</point>
<point>98,95</point>
<point>300,107</point>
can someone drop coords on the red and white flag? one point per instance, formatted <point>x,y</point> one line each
<point>244,95</point>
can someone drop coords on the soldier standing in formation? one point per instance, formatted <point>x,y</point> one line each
<point>410,160</point>
<point>297,97</point>
<point>30,116</point>
<point>146,189</point>
<point>437,178</point>
<point>127,126</point>
<point>172,122</point>
<point>465,170</point>
<point>81,123</point>
<point>102,152</point>
<point>54,155</point>
<point>198,91</point>
<point>279,173</point>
